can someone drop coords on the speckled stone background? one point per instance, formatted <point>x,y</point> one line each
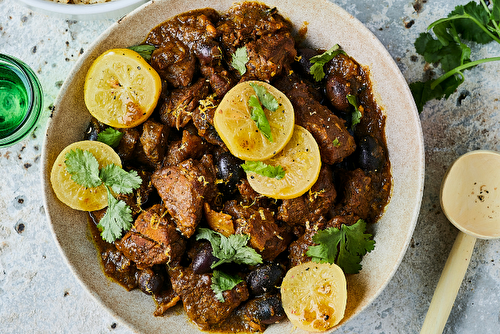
<point>38,293</point>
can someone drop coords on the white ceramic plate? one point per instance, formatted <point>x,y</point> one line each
<point>327,25</point>
<point>107,10</point>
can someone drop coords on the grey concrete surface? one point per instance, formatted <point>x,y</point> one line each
<point>38,293</point>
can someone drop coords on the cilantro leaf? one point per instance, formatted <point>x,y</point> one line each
<point>110,136</point>
<point>240,60</point>
<point>222,282</point>
<point>84,170</point>
<point>259,117</point>
<point>229,249</point>
<point>471,22</point>
<point>144,50</point>
<point>118,218</point>
<point>356,114</point>
<point>345,246</point>
<point>267,99</point>
<point>319,61</point>
<point>466,19</point>
<point>120,181</point>
<point>261,168</point>
<point>83,167</point>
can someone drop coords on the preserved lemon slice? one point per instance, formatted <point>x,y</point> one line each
<point>239,132</point>
<point>121,88</point>
<point>314,296</point>
<point>71,193</point>
<point>302,163</point>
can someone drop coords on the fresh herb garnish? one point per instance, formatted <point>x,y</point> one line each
<point>258,115</point>
<point>319,61</point>
<point>222,282</point>
<point>84,170</point>
<point>240,60</point>
<point>267,99</point>
<point>345,246</point>
<point>261,168</point>
<point>336,142</point>
<point>229,249</point>
<point>144,50</point>
<point>470,23</point>
<point>110,136</point>
<point>356,115</point>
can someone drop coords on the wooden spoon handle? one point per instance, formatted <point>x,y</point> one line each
<point>448,285</point>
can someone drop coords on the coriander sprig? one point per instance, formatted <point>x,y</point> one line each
<point>84,170</point>
<point>230,249</point>
<point>470,23</point>
<point>345,246</point>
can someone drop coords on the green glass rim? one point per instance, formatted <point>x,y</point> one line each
<point>35,94</point>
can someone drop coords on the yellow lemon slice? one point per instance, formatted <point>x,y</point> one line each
<point>71,193</point>
<point>314,296</point>
<point>234,124</point>
<point>121,88</point>
<point>301,161</point>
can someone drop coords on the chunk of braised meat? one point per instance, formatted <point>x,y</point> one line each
<point>343,76</point>
<point>128,143</point>
<point>179,105</point>
<point>358,194</point>
<point>249,196</point>
<point>175,63</point>
<point>152,240</point>
<point>246,22</point>
<point>93,129</point>
<point>190,146</point>
<point>199,300</point>
<point>118,266</point>
<point>184,188</point>
<point>313,204</point>
<point>218,221</point>
<point>165,299</point>
<point>267,236</point>
<point>298,248</point>
<point>270,56</point>
<point>153,142</point>
<point>195,29</point>
<point>203,120</point>
<point>220,79</point>
<point>334,141</point>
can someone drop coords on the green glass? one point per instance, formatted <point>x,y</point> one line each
<point>21,100</point>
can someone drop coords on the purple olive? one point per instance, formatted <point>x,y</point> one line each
<point>265,278</point>
<point>203,259</point>
<point>149,281</point>
<point>266,309</point>
<point>370,154</point>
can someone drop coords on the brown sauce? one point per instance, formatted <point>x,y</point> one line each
<point>192,50</point>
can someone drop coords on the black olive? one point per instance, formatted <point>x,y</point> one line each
<point>95,127</point>
<point>266,309</point>
<point>229,171</point>
<point>370,154</point>
<point>150,282</point>
<point>203,259</point>
<point>303,56</point>
<point>265,278</point>
<point>337,89</point>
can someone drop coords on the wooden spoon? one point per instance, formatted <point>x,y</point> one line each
<point>470,199</point>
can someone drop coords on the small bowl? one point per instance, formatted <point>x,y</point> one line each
<point>108,10</point>
<point>21,100</point>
